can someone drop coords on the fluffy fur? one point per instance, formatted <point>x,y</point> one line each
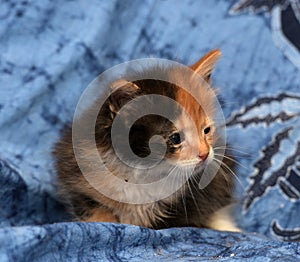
<point>189,206</point>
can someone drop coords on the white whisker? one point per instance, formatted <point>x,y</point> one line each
<point>231,172</point>
<point>230,148</point>
<point>191,191</point>
<point>231,159</point>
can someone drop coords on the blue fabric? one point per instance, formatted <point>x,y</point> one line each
<point>51,50</point>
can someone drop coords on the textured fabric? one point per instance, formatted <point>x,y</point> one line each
<point>49,53</point>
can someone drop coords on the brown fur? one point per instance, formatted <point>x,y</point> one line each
<point>189,206</point>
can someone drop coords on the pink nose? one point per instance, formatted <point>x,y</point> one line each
<point>204,156</point>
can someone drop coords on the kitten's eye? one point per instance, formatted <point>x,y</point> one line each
<point>207,130</point>
<point>176,138</point>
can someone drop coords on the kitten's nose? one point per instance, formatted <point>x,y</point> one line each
<point>203,156</point>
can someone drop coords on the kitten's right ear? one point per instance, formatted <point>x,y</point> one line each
<point>122,92</point>
<point>206,64</point>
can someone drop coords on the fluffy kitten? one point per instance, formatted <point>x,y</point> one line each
<point>189,206</point>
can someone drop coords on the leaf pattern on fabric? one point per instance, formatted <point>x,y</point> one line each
<point>284,23</point>
<point>283,108</point>
<point>258,5</point>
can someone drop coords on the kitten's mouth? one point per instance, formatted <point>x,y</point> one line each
<point>197,165</point>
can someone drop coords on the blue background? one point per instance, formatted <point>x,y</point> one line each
<point>49,53</point>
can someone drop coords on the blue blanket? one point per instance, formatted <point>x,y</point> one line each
<point>49,53</point>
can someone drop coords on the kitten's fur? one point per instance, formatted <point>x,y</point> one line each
<point>189,206</point>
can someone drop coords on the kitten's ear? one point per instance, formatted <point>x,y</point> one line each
<point>206,64</point>
<point>122,92</point>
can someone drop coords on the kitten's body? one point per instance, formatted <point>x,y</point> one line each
<point>189,206</point>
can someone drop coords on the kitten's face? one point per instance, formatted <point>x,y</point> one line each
<point>188,135</point>
<point>187,146</point>
<point>192,147</point>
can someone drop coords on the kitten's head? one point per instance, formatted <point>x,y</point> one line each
<point>188,135</point>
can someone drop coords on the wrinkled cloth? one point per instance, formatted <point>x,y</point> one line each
<point>51,50</point>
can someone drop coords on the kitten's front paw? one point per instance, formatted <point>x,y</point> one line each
<point>101,215</point>
<point>223,220</point>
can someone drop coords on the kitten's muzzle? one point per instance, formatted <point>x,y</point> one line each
<point>203,156</point>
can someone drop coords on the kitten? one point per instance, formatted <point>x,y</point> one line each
<point>188,206</point>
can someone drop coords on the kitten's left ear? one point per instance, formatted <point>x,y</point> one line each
<point>206,64</point>
<point>122,92</point>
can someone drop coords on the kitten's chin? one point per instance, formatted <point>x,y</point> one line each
<point>196,165</point>
<point>192,165</point>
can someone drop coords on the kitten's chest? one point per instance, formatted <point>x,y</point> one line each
<point>174,211</point>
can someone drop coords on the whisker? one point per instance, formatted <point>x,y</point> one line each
<point>222,164</point>
<point>165,180</point>
<point>231,159</point>
<point>196,186</point>
<point>176,170</point>
<point>182,190</point>
<point>191,192</point>
<point>239,154</point>
<point>224,174</point>
<point>232,149</point>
